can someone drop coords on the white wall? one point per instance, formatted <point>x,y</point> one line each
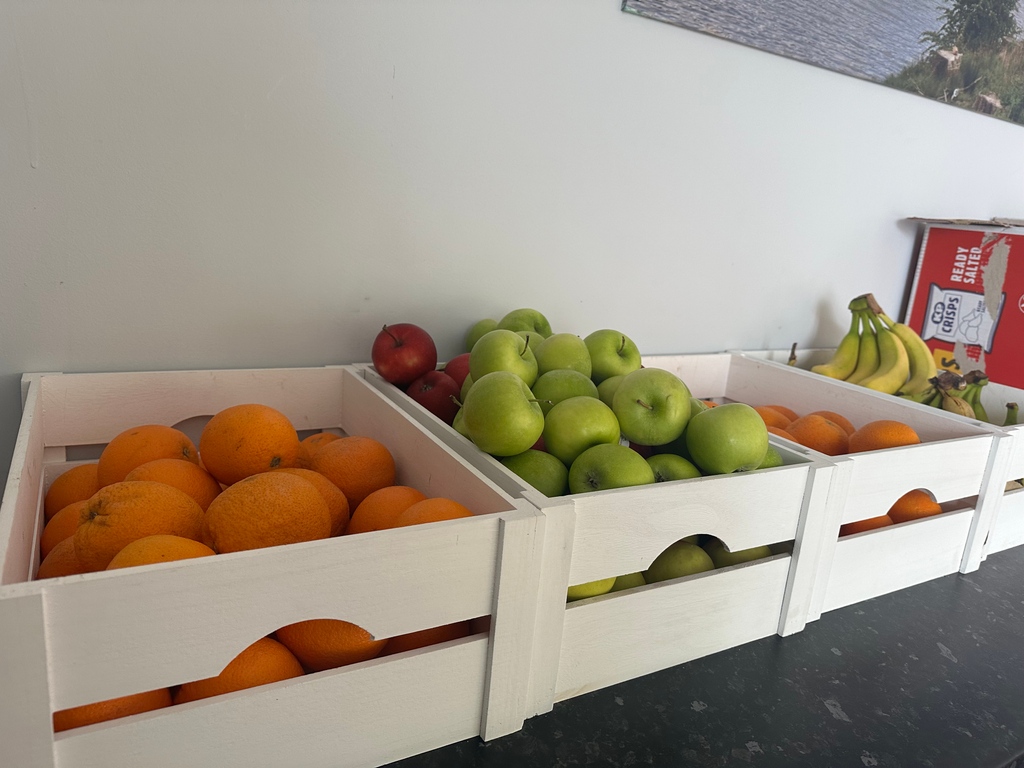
<point>236,184</point>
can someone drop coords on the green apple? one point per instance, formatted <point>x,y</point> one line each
<point>723,558</point>
<point>606,389</point>
<point>574,425</point>
<point>533,340</point>
<point>771,459</point>
<point>680,559</point>
<point>541,470</point>
<point>697,405</point>
<point>611,353</point>
<point>628,581</point>
<point>477,330</point>
<point>668,466</point>
<point>608,465</point>
<point>563,350</point>
<point>727,438</point>
<point>459,423</point>
<point>526,319</point>
<point>502,350</point>
<point>561,384</point>
<point>590,589</point>
<point>502,415</point>
<point>652,406</point>
<point>466,384</point>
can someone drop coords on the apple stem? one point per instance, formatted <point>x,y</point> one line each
<point>455,400</point>
<point>398,342</point>
<point>526,346</point>
<point>622,346</point>
<point>645,405</point>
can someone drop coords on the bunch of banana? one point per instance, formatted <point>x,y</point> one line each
<point>960,394</point>
<point>880,354</point>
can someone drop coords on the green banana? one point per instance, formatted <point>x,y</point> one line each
<point>924,398</point>
<point>867,351</point>
<point>1011,415</point>
<point>922,362</point>
<point>893,362</point>
<point>844,359</point>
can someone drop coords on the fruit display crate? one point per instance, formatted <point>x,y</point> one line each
<point>74,640</point>
<point>1005,526</point>
<point>599,641</point>
<point>961,462</point>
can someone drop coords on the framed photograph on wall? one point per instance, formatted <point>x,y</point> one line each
<point>968,53</point>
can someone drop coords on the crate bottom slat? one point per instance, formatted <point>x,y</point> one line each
<point>372,714</point>
<point>923,550</point>
<point>613,638</point>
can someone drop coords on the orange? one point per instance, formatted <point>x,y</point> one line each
<point>431,511</point>
<point>265,661</point>
<point>75,484</point>
<point>266,510</point>
<point>183,475</point>
<point>101,711</point>
<point>138,445</point>
<point>820,434</point>
<point>381,508</point>
<point>314,441</point>
<point>884,433</point>
<point>62,561</point>
<point>358,465</point>
<point>865,525</point>
<point>914,505</point>
<point>839,419</point>
<point>781,433</point>
<point>789,413</point>
<point>61,526</point>
<point>425,637</point>
<point>328,643</point>
<point>120,513</point>
<point>247,439</point>
<point>772,417</point>
<point>710,403</point>
<point>337,504</point>
<point>159,548</point>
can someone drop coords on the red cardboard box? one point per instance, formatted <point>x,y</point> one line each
<point>967,296</point>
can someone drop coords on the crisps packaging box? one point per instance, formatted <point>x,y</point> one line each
<point>967,296</point>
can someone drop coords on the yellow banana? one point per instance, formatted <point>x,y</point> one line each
<point>957,405</point>
<point>844,359</point>
<point>893,362</point>
<point>922,362</point>
<point>867,352</point>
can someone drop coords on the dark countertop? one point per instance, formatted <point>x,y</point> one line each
<point>927,676</point>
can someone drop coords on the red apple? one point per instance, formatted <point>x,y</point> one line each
<point>402,353</point>
<point>435,390</point>
<point>458,368</point>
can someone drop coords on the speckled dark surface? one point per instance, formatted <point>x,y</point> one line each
<point>930,676</point>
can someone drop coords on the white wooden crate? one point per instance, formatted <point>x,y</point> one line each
<point>1005,519</point>
<point>593,643</point>
<point>960,461</point>
<point>74,640</point>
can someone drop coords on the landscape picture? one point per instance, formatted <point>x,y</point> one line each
<point>968,53</point>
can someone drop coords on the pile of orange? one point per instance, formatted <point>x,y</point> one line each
<point>913,505</point>
<point>832,433</point>
<point>153,497</point>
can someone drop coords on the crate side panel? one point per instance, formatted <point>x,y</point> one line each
<point>704,375</point>
<point>888,559</point>
<point>952,469</point>
<point>371,714</point>
<point>92,408</point>
<point>618,637</point>
<point>26,731</point>
<point>21,516</point>
<point>117,633</point>
<point>622,530</point>
<point>1008,528</point>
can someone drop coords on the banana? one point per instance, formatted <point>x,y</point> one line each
<point>924,398</point>
<point>844,359</point>
<point>1011,415</point>
<point>922,362</point>
<point>976,380</point>
<point>893,362</point>
<point>867,351</point>
<point>957,405</point>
